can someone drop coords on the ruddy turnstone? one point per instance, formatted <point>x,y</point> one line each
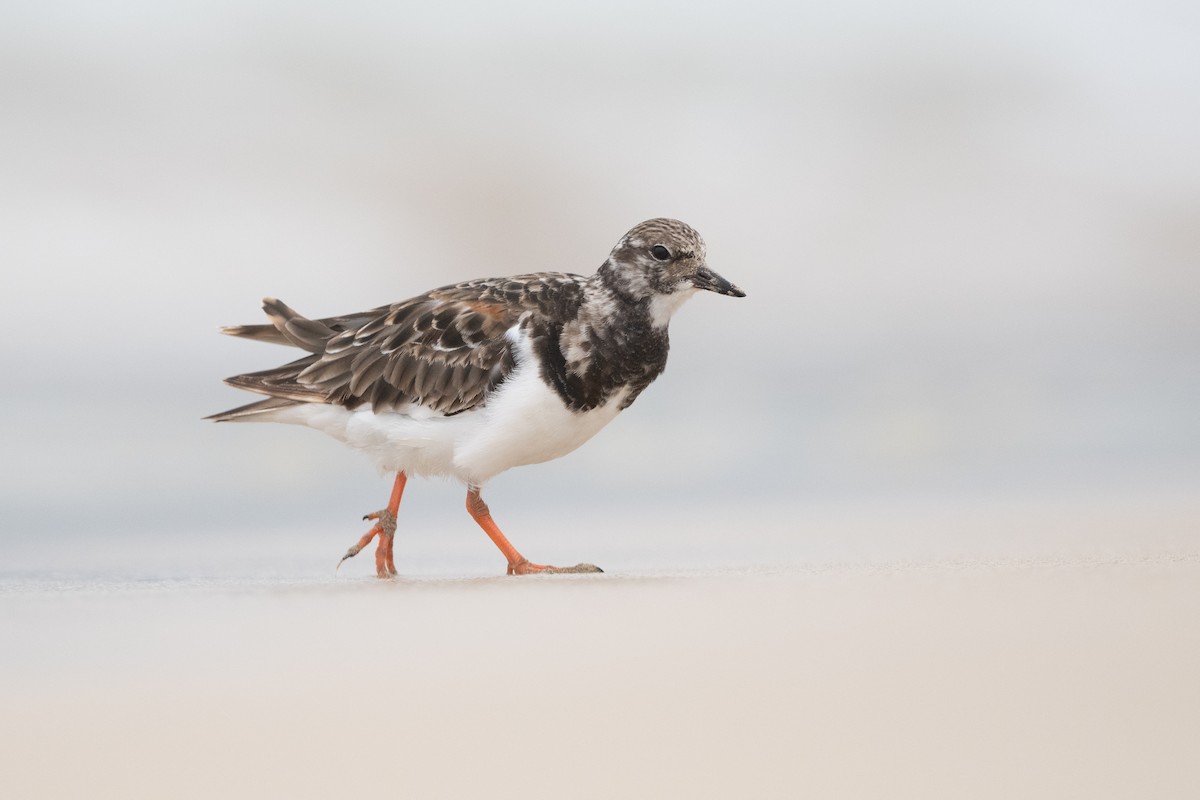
<point>476,378</point>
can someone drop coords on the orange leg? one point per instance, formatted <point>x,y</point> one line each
<point>517,563</point>
<point>385,529</point>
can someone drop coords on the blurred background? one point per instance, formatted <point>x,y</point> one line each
<point>970,238</point>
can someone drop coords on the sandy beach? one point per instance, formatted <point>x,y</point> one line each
<point>1031,673</point>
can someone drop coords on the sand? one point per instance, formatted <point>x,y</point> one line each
<point>1022,675</point>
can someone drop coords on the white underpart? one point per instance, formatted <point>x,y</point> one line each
<point>663,306</point>
<point>524,422</point>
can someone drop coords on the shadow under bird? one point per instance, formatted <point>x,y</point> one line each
<point>473,379</point>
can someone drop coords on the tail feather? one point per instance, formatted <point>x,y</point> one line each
<point>307,334</point>
<point>287,327</point>
<point>280,382</point>
<point>259,333</point>
<point>254,409</point>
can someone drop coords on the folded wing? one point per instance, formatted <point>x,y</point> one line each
<point>445,350</point>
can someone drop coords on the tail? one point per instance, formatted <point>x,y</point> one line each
<point>249,412</point>
<point>287,327</point>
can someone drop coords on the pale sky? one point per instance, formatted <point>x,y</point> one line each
<point>968,237</point>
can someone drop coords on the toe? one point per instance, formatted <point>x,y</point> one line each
<point>527,568</point>
<point>578,569</point>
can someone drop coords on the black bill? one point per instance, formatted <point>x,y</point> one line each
<point>705,278</point>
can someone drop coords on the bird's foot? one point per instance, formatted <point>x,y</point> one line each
<point>385,529</point>
<point>527,567</point>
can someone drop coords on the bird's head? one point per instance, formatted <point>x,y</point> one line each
<point>663,261</point>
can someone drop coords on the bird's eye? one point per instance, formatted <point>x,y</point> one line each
<point>660,252</point>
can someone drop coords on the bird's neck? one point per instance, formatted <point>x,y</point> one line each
<point>610,344</point>
<point>625,286</point>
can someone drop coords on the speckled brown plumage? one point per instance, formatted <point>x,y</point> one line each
<point>444,350</point>
<point>448,349</point>
<point>474,379</point>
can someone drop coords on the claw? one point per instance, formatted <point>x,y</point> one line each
<point>358,546</point>
<point>385,529</point>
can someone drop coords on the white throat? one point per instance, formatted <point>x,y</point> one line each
<point>664,306</point>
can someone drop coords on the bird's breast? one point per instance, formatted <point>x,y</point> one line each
<point>526,421</point>
<point>586,364</point>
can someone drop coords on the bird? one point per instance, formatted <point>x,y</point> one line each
<point>475,378</point>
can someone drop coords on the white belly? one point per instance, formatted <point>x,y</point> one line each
<point>523,422</point>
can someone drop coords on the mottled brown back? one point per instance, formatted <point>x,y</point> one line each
<point>445,350</point>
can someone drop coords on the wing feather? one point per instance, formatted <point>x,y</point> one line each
<point>446,350</point>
